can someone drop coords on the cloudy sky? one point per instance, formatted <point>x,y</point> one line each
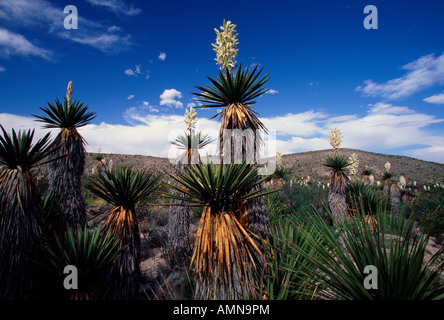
<point>136,64</point>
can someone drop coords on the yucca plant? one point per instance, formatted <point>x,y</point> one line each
<point>91,252</point>
<point>21,214</point>
<point>290,272</point>
<point>391,246</point>
<point>124,189</point>
<point>367,199</point>
<point>178,213</point>
<point>338,187</point>
<point>235,93</point>
<point>225,252</point>
<point>100,165</point>
<point>65,173</point>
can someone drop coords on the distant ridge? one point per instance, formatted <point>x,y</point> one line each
<point>307,163</point>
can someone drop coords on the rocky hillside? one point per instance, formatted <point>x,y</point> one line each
<point>306,163</point>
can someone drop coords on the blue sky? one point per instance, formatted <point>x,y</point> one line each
<point>135,63</point>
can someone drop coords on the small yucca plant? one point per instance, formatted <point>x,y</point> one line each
<point>191,142</point>
<point>21,213</point>
<point>91,252</point>
<point>124,189</point>
<point>366,199</point>
<point>391,245</point>
<point>225,253</point>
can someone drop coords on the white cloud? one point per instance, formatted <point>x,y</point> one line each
<point>162,56</point>
<point>116,6</point>
<point>2,69</point>
<point>385,127</point>
<point>169,98</point>
<point>299,124</point>
<point>130,97</point>
<point>272,91</point>
<point>15,44</point>
<point>421,74</point>
<point>137,70</point>
<point>42,14</point>
<point>436,98</point>
<point>107,42</point>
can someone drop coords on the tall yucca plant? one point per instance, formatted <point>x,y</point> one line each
<point>338,187</point>
<point>235,93</point>
<point>178,214</point>
<point>225,253</point>
<point>21,213</point>
<point>124,189</point>
<point>65,173</point>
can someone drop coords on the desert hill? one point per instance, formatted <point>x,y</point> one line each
<point>306,164</point>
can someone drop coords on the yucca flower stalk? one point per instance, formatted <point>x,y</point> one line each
<point>124,189</point>
<point>21,214</point>
<point>335,139</point>
<point>69,93</point>
<point>65,173</point>
<point>402,183</point>
<point>387,176</point>
<point>226,41</point>
<point>225,254</point>
<point>354,165</point>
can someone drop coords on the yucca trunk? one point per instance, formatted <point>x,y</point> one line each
<point>395,199</point>
<point>224,257</point>
<point>366,180</point>
<point>257,219</point>
<point>65,176</point>
<point>21,221</point>
<point>387,186</point>
<point>337,197</point>
<point>179,224</point>
<point>125,275</point>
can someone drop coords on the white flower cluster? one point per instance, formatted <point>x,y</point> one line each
<point>190,118</point>
<point>335,138</point>
<point>387,166</point>
<point>279,160</point>
<point>225,45</point>
<point>402,183</point>
<point>353,168</point>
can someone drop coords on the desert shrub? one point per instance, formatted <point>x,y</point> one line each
<point>431,210</point>
<point>365,198</point>
<point>391,245</point>
<point>288,270</point>
<point>305,198</point>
